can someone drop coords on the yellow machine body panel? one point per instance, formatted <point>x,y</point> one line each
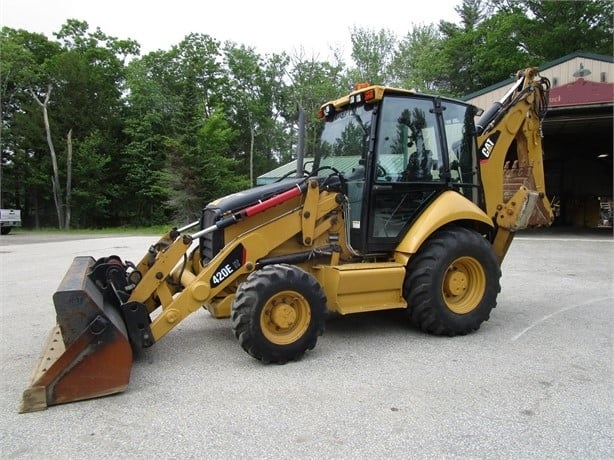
<point>361,287</point>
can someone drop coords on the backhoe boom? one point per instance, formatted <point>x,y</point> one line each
<point>511,159</point>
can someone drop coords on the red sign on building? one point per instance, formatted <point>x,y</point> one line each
<point>582,92</point>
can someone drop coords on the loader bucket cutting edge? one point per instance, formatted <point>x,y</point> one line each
<point>87,354</point>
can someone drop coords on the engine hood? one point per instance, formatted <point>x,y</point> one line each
<point>245,198</point>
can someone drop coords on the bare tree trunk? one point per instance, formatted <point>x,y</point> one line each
<point>55,179</point>
<point>57,200</point>
<point>68,178</point>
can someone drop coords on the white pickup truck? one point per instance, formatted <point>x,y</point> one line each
<point>9,218</point>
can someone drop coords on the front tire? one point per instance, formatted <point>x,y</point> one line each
<point>452,282</point>
<point>278,313</point>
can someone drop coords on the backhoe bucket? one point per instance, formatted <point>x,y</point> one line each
<point>539,211</point>
<point>88,353</point>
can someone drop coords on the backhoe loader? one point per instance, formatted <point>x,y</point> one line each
<point>407,203</point>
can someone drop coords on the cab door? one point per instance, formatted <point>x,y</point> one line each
<point>408,168</point>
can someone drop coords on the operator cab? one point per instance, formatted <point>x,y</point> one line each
<point>397,151</point>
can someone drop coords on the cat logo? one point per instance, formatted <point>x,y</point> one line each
<point>486,149</point>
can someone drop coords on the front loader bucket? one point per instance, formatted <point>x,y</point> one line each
<point>88,353</point>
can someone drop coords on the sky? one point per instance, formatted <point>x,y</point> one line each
<point>269,26</point>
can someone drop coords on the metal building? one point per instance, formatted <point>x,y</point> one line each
<point>578,136</point>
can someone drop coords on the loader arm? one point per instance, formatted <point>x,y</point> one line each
<point>106,307</point>
<point>310,218</point>
<point>514,186</point>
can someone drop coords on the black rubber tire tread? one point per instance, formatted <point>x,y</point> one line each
<point>251,297</point>
<point>423,284</point>
<point>5,230</point>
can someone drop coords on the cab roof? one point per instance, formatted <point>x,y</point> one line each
<point>372,94</point>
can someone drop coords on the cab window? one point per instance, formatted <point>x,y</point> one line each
<point>462,158</point>
<point>408,150</point>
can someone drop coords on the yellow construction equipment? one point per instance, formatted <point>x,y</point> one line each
<point>407,203</point>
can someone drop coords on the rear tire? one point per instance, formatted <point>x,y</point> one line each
<point>278,313</point>
<point>5,230</point>
<point>452,282</point>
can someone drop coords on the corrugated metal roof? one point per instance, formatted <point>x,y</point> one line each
<point>341,163</point>
<point>276,173</point>
<point>391,163</point>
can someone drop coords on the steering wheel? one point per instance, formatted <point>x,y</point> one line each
<point>323,168</point>
<point>380,171</point>
<point>328,181</point>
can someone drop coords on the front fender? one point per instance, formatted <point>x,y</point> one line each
<point>449,207</point>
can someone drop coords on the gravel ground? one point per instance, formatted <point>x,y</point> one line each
<point>534,382</point>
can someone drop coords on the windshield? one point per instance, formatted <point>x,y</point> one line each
<point>343,142</point>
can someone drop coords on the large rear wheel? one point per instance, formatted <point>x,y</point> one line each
<point>278,313</point>
<point>452,282</point>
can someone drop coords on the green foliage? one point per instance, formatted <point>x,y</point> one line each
<point>550,29</point>
<point>373,53</point>
<point>497,37</point>
<point>156,137</point>
<point>150,107</point>
<point>21,135</point>
<point>311,83</point>
<point>92,193</point>
<point>419,62</point>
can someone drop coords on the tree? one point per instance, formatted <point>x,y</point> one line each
<point>77,86</point>
<point>497,37</point>
<point>373,54</point>
<point>419,61</point>
<point>215,138</point>
<point>24,169</point>
<point>245,84</point>
<point>257,100</point>
<point>276,136</point>
<point>152,103</point>
<point>89,74</point>
<point>195,66</point>
<point>310,84</point>
<point>93,195</point>
<point>55,178</point>
<point>547,30</point>
<point>460,43</point>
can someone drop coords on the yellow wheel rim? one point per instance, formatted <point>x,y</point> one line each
<point>285,318</point>
<point>464,284</point>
